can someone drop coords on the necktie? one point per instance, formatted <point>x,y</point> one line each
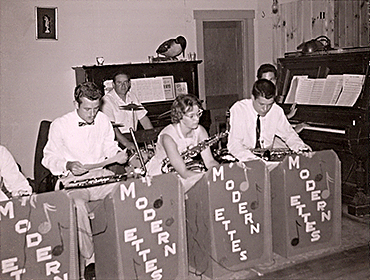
<point>258,133</point>
<point>84,123</point>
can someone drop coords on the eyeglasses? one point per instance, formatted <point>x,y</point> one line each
<point>193,115</point>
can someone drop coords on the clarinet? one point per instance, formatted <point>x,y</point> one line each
<point>189,154</point>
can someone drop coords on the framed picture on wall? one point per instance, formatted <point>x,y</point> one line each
<point>46,23</point>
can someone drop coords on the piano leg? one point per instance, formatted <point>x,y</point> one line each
<point>360,204</point>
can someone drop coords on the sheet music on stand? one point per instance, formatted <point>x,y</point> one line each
<point>335,90</point>
<point>153,88</point>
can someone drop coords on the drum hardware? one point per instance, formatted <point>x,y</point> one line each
<point>132,107</point>
<point>142,171</point>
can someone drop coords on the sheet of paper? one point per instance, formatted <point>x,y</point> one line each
<point>153,88</point>
<point>111,160</point>
<point>292,93</point>
<point>181,88</point>
<point>304,90</point>
<point>335,90</point>
<point>352,87</point>
<point>168,86</point>
<point>317,91</point>
<point>148,89</point>
<point>332,88</point>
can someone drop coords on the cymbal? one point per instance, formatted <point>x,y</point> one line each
<point>131,107</point>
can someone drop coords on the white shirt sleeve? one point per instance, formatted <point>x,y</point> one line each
<point>14,180</point>
<point>107,108</point>
<point>53,159</point>
<point>238,133</point>
<point>287,133</point>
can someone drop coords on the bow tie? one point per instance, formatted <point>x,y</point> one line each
<point>85,123</point>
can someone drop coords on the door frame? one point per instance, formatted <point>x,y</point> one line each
<point>246,17</point>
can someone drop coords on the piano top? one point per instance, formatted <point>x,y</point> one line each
<point>328,124</point>
<point>321,65</point>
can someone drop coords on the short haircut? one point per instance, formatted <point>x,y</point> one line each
<point>120,73</point>
<point>265,68</point>
<point>263,88</point>
<point>89,90</point>
<point>183,104</point>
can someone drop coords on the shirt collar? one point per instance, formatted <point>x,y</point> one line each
<point>118,99</point>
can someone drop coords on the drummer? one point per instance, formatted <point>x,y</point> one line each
<point>124,109</point>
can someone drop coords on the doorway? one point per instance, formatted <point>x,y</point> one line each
<point>225,43</point>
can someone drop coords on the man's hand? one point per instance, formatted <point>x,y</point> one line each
<point>305,151</point>
<point>76,168</point>
<point>292,111</point>
<point>122,156</point>
<point>299,127</point>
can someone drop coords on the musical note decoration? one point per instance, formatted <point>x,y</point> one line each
<point>58,249</point>
<point>255,204</point>
<point>329,180</point>
<point>295,240</point>
<point>244,186</point>
<point>45,227</point>
<point>319,176</point>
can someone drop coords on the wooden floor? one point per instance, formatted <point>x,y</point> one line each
<point>350,261</point>
<point>349,264</point>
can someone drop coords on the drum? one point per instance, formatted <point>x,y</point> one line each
<point>134,160</point>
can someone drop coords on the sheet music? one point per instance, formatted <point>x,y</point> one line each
<point>153,88</point>
<point>332,89</point>
<point>317,91</point>
<point>291,96</point>
<point>336,90</point>
<point>304,90</point>
<point>181,88</point>
<point>352,86</point>
<point>168,86</point>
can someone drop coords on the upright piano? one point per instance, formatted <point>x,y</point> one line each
<point>343,129</point>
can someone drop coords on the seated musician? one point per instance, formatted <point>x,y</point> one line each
<point>123,119</point>
<point>12,181</point>
<point>78,142</point>
<point>268,71</point>
<point>184,132</point>
<point>255,122</point>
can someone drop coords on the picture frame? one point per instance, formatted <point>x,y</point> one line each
<point>46,23</point>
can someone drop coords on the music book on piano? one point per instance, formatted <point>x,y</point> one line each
<point>154,88</point>
<point>335,90</point>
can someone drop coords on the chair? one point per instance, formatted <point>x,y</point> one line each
<point>44,180</point>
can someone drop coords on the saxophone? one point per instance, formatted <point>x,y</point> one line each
<point>190,153</point>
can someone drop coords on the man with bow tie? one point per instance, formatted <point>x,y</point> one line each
<point>78,140</point>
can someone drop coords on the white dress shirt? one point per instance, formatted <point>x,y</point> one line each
<point>110,107</point>
<point>242,135</point>
<point>87,144</point>
<point>12,178</point>
<point>182,142</point>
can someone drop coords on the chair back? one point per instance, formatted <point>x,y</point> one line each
<point>44,180</point>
